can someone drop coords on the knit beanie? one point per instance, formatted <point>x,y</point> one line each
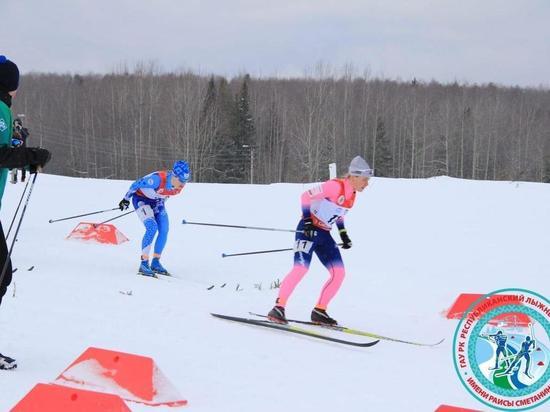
<point>9,75</point>
<point>359,167</point>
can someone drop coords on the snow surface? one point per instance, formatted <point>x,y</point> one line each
<point>417,244</point>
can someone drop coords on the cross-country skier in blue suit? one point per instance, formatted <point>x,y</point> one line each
<point>523,353</point>
<point>500,340</point>
<point>148,195</point>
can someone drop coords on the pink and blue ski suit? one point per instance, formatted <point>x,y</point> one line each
<point>325,204</point>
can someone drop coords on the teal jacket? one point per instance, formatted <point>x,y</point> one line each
<point>15,157</point>
<point>6,131</point>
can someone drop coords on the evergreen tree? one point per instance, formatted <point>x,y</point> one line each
<point>546,169</point>
<point>228,168</point>
<point>245,122</point>
<point>209,102</point>
<point>245,129</point>
<point>383,160</point>
<point>208,127</point>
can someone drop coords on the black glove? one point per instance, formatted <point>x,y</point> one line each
<point>345,239</point>
<point>309,228</point>
<point>123,204</point>
<point>39,157</point>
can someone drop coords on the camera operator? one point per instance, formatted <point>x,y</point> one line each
<point>10,158</point>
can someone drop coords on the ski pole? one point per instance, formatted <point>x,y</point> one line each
<point>224,255</point>
<point>18,206</point>
<point>17,230</point>
<point>185,222</point>
<point>85,214</point>
<point>116,217</point>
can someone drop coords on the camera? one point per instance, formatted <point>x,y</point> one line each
<point>19,139</point>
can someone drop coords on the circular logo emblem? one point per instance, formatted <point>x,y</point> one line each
<point>501,349</point>
<point>340,199</point>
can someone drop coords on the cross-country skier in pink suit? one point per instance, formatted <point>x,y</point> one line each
<point>323,206</point>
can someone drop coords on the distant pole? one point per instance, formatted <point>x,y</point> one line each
<point>332,170</point>
<point>251,165</point>
<point>251,148</point>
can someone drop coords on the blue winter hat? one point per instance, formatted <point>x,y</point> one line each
<point>9,75</point>
<point>181,170</point>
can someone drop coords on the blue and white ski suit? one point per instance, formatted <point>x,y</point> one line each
<point>148,195</point>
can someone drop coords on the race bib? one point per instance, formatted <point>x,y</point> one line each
<point>327,212</point>
<point>145,212</point>
<point>303,246</point>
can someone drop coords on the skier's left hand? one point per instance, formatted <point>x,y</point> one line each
<point>309,228</point>
<point>38,158</point>
<point>345,239</point>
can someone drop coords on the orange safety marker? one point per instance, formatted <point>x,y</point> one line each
<point>132,377</point>
<point>56,398</point>
<point>448,408</point>
<point>100,233</point>
<point>465,300</point>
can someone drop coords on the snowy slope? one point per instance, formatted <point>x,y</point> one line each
<point>417,245</point>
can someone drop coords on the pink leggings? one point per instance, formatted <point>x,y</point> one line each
<point>330,288</point>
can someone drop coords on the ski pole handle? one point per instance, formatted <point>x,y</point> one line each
<point>185,222</point>
<point>85,214</point>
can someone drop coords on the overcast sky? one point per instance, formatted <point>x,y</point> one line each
<point>475,41</point>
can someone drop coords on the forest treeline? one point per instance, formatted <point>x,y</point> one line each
<point>129,123</point>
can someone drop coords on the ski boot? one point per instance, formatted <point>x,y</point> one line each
<point>7,363</point>
<point>321,317</point>
<point>277,315</point>
<point>145,270</point>
<point>157,268</point>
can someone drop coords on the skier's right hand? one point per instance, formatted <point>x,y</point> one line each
<point>123,204</point>
<point>309,228</point>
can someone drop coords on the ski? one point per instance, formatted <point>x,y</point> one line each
<point>154,276</point>
<point>293,329</point>
<point>358,332</point>
<point>160,273</point>
<point>157,275</point>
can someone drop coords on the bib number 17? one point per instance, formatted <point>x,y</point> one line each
<point>303,246</point>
